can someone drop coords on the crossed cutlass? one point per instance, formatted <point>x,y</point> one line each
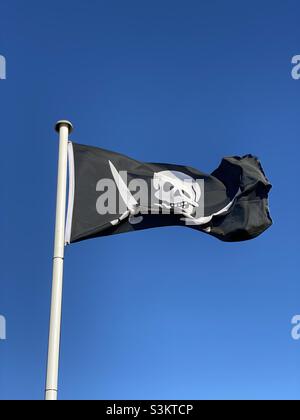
<point>133,207</point>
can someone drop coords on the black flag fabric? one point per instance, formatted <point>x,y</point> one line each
<point>110,193</point>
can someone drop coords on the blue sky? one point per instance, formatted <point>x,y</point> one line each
<point>167,313</point>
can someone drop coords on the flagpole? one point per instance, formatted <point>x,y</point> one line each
<point>64,128</point>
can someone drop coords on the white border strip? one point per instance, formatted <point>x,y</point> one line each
<point>71,194</point>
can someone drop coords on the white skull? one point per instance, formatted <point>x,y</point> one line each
<point>177,191</point>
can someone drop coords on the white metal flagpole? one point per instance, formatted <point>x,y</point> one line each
<point>63,128</point>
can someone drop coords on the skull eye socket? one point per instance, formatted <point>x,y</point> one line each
<point>168,187</point>
<point>185,194</point>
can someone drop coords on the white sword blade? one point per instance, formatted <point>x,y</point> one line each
<point>126,195</point>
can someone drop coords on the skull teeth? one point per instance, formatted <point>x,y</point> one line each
<point>182,205</point>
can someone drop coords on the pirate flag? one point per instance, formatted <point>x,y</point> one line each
<point>110,193</point>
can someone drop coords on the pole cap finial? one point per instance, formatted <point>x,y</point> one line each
<point>64,122</point>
